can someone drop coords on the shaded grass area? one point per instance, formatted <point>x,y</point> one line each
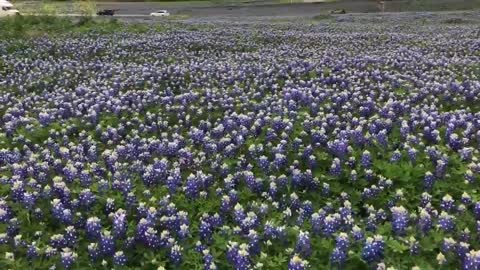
<point>34,26</point>
<point>431,5</point>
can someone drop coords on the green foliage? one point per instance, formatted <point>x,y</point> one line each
<point>322,17</point>
<point>34,26</point>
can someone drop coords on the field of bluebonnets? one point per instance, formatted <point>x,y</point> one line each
<point>348,145</point>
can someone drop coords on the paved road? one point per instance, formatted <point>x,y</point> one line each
<point>270,10</point>
<point>306,9</point>
<point>238,11</point>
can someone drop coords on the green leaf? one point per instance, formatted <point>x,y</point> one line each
<point>396,246</point>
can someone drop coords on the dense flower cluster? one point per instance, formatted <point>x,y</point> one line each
<point>253,146</point>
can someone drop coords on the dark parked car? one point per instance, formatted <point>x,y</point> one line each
<point>106,12</point>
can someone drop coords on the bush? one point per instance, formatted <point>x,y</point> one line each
<point>86,8</point>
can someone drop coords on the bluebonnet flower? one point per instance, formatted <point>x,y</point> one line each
<point>165,239</point>
<point>303,246</point>
<point>447,203</point>
<point>338,257</point>
<point>68,258</point>
<point>29,199</point>
<point>174,181</point>
<point>446,222</point>
<point>205,230</point>
<point>5,215</point>
<point>404,129</point>
<point>86,198</point>
<point>119,258</point>
<point>412,154</point>
<point>325,189</point>
<point>32,251</point>
<point>476,210</point>
<point>297,263</point>
<point>342,242</point>
<point>130,200</point>
<point>382,137</point>
<point>192,187</point>
<point>263,163</point>
<point>103,186</point>
<point>280,161</point>
<point>58,241</point>
<point>338,148</point>
<point>175,254</point>
<point>357,233</point>
<point>472,260</point>
<point>373,249</point>
<point>396,156</point>
<point>152,215</point>
<point>466,153</point>
<point>93,227</point>
<point>448,245</point>
<point>119,223</point>
<point>4,238</point>
<point>335,168</point>
<point>151,238</point>
<point>339,254</point>
<point>428,181</point>
<point>353,176</point>
<point>465,235</point>
<point>70,173</point>
<point>440,168</point>
<point>469,177</point>
<point>399,220</point>
<point>208,263</point>
<point>238,256</point>
<point>85,178</point>
<point>454,142</point>
<point>18,241</point>
<point>250,222</point>
<point>110,205</point>
<point>312,162</point>
<point>331,224</point>
<point>414,246</point>
<point>183,232</point>
<point>462,250</point>
<point>129,242</point>
<point>107,243</point>
<point>93,251</point>
<point>425,199</point>
<point>70,236</point>
<point>441,259</point>
<point>254,242</point>
<point>424,221</point>
<point>252,183</point>
<point>18,190</point>
<point>269,230</point>
<point>366,160</point>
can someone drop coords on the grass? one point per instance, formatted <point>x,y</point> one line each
<point>34,26</point>
<point>51,8</point>
<point>322,17</point>
<point>455,21</point>
<point>432,5</point>
<point>302,1</point>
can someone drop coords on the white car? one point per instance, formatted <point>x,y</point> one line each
<point>7,9</point>
<point>160,13</point>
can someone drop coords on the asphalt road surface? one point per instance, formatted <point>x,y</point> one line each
<point>238,11</point>
<point>196,10</point>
